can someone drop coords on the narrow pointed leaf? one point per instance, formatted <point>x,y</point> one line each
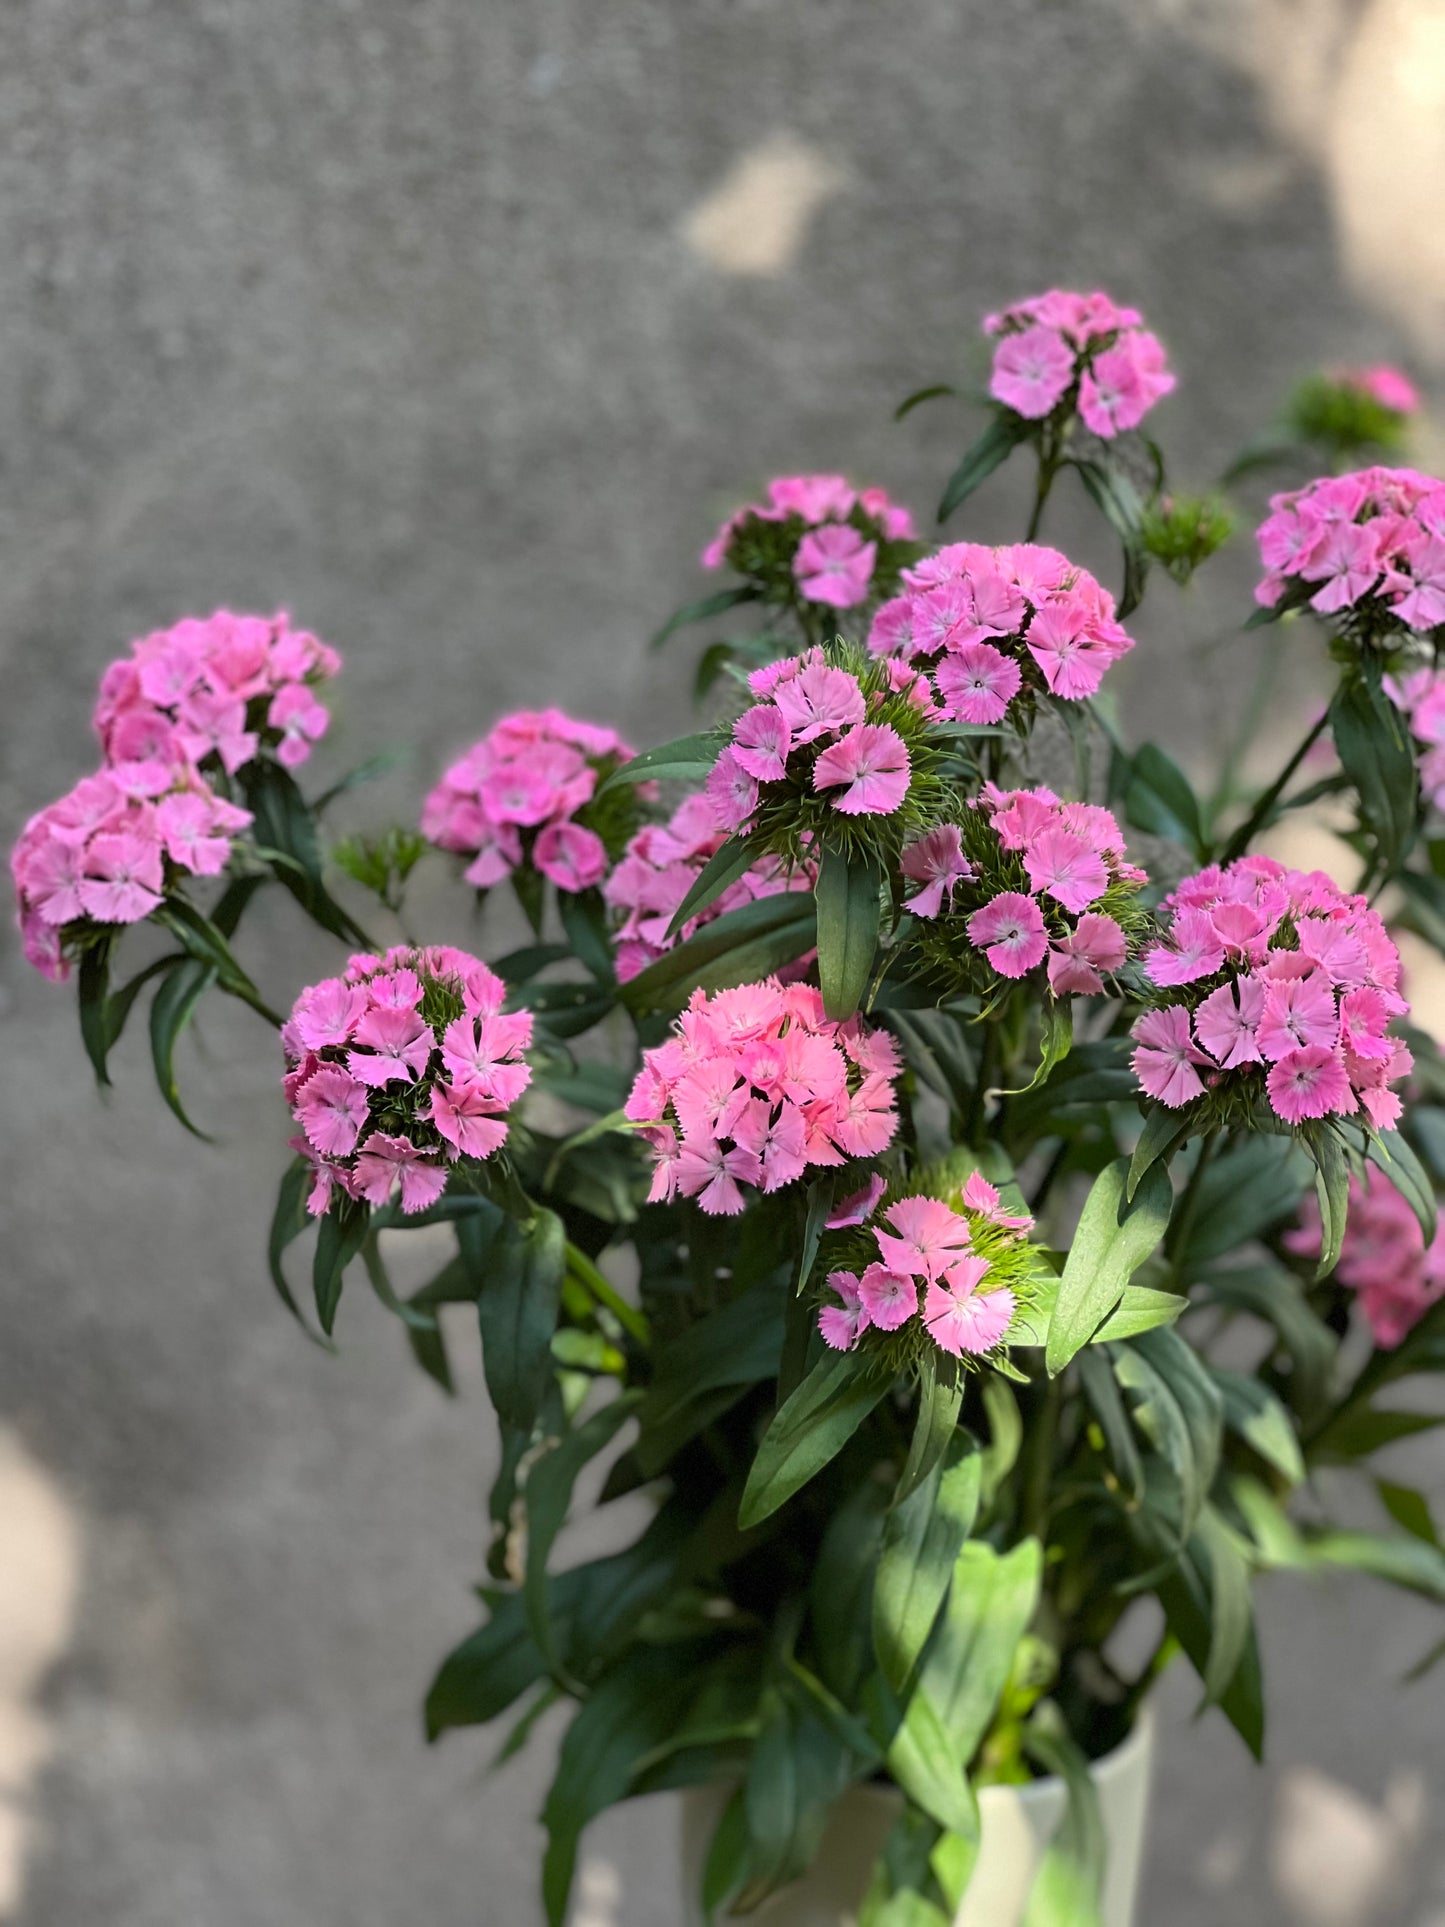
<point>849,908</point>
<point>922,1538</point>
<point>811,1428</point>
<point>993,447</point>
<point>1113,1239</point>
<point>726,864</point>
<point>703,610</point>
<point>686,757</point>
<point>172,1008</point>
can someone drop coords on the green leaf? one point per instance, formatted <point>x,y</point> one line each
<point>935,1046</point>
<point>1160,799</point>
<point>993,447</point>
<point>1412,1563</point>
<point>1056,1037</point>
<point>1113,1239</point>
<point>922,1538</point>
<point>1374,750</point>
<point>1005,1430</point>
<point>584,918</point>
<point>1101,1388</point>
<point>841,1590</point>
<point>991,1600</point>
<point>703,610</point>
<point>738,947</point>
<point>1205,1598</point>
<point>1067,1887</point>
<point>701,1373</point>
<point>1393,1155</point>
<point>200,938</point>
<point>338,1240</point>
<point>1357,1433</point>
<point>722,869</point>
<point>1253,1413</point>
<point>1178,1408</point>
<point>810,1429</point>
<point>1408,1508</point>
<point>928,1765</point>
<point>285,824</point>
<point>1247,1190</point>
<point>488,1672</point>
<point>1116,497</point>
<point>1141,1309</point>
<point>940,1395</point>
<point>1332,1187</point>
<point>921,395</point>
<point>120,1003</point>
<point>685,759</point>
<point>519,1273</point>
<point>1161,1136</point>
<point>725,1871</point>
<point>548,1494</point>
<point>93,985</point>
<point>849,909</point>
<point>288,1221</point>
<point>172,1008</point>
<point>1269,1292</point>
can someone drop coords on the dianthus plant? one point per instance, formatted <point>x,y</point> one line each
<point>964,1185</point>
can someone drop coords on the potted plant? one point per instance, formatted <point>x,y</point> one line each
<point>975,1191</point>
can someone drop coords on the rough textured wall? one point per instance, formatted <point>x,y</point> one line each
<point>452,325</point>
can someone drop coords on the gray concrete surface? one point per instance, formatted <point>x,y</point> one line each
<point>448,326</point>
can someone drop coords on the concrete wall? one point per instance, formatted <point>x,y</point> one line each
<point>453,325</point>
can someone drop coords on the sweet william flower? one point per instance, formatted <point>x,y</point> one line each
<point>977,683</point>
<point>731,791</point>
<point>122,877</point>
<point>388,1164</point>
<point>1067,867</point>
<point>1308,1083</point>
<point>761,742</point>
<point>937,862</point>
<point>841,1324</point>
<point>834,565</point>
<point>871,764</point>
<point>927,1237</point>
<point>1010,931</point>
<point>1166,1059</point>
<point>1032,372</point>
<point>890,1298</point>
<point>332,1106</point>
<point>962,1319</point>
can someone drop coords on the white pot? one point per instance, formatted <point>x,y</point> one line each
<point>1018,1823</point>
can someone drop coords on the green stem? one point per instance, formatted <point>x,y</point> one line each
<point>628,1316</point>
<point>248,995</point>
<point>1048,469</point>
<point>1263,811</point>
<point>1038,1467</point>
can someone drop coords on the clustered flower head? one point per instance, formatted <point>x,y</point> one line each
<point>1383,1257</point>
<point>1274,981</point>
<point>989,622</point>
<point>1420,693</point>
<point>109,851</point>
<point>816,539</point>
<point>1081,349</point>
<point>756,1086</point>
<point>658,868</point>
<point>939,1272</point>
<point>515,796</point>
<point>823,740</point>
<point>221,687</point>
<point>1032,880</point>
<point>397,1069</point>
<point>1367,547</point>
<point>1387,387</point>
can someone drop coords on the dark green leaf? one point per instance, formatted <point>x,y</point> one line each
<point>1101,1388</point>
<point>997,442</point>
<point>687,758</point>
<point>990,1602</point>
<point>723,1353</point>
<point>1270,1292</point>
<point>1357,1433</point>
<point>1332,1187</point>
<point>171,1010</point>
<point>1163,1132</point>
<point>921,395</point>
<point>485,1674</point>
<point>940,1395</point>
<point>520,1283</point>
<point>810,1429</point>
<point>338,1240</point>
<point>1159,799</point>
<point>584,918</point>
<point>288,1221</point>
<point>722,869</point>
<point>1408,1508</point>
<point>1191,1604</point>
<point>1253,1413</point>
<point>1374,749</point>
<point>703,610</point>
<point>93,986</point>
<point>1247,1190</point>
<point>1178,1408</point>
<point>286,825</point>
<point>1391,1153</point>
<point>738,947</point>
<point>1113,1239</point>
<point>922,1538</point>
<point>849,908</point>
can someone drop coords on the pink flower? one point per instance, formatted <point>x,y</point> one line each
<point>930,1237</point>
<point>1165,1060</point>
<point>384,1162</point>
<point>1309,1083</point>
<point>122,878</point>
<point>761,742</point>
<point>468,1119</point>
<point>834,565</point>
<point>866,1119</point>
<point>1062,641</point>
<point>960,1318</point>
<point>301,719</point>
<point>1297,1013</point>
<point>731,791</point>
<point>187,824</point>
<point>1194,951</point>
<point>841,1325</point>
<point>890,1298</point>
<point>937,862</point>
<point>1010,931</point>
<point>858,1207</point>
<point>1067,868</point>
<point>977,683</point>
<point>331,1108</point>
<point>1227,1021</point>
<point>709,1173</point>
<point>391,1046</point>
<point>1348,563</point>
<point>981,1196</point>
<point>1031,371</point>
<point>212,720</point>
<point>572,857</point>
<point>872,760</point>
<point>1123,384</point>
<point>328,1013</point>
<point>51,877</point>
<point>819,701</point>
<point>478,1050</point>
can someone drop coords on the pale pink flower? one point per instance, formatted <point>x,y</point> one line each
<point>331,1107</point>
<point>328,1013</point>
<point>1066,867</point>
<point>1194,951</point>
<point>979,1195</point>
<point>710,1174</point>
<point>977,683</point>
<point>571,856</point>
<point>1031,371</point>
<point>962,1319</point>
<point>1010,931</point>
<point>1348,563</point>
<point>1165,1060</point>
<point>122,878</point>
<point>731,791</point>
<point>841,1324</point>
<point>468,1118</point>
<point>384,1162</point>
<point>937,862</point>
<point>1298,1012</point>
<point>892,630</point>
<point>834,565</point>
<point>890,1298</point>
<point>1309,1083</point>
<point>188,827</point>
<point>1063,642</point>
<point>866,1119</point>
<point>301,720</point>
<point>761,742</point>
<point>1227,1021</point>
<point>929,1237</point>
<point>872,760</point>
<point>819,701</point>
<point>51,879</point>
<point>390,1046</point>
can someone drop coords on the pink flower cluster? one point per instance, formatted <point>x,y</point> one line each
<point>1387,386</point>
<point>927,1250</point>
<point>1284,978</point>
<point>1370,544</point>
<point>1070,854</point>
<point>1420,693</point>
<point>660,866</point>
<point>1056,341</point>
<point>804,705</point>
<point>102,854</point>
<point>1383,1257</point>
<point>220,685</point>
<point>397,1069</point>
<point>757,1086</point>
<point>985,620</point>
<point>513,797</point>
<point>840,530</point>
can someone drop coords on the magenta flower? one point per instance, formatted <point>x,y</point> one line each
<point>122,878</point>
<point>858,1207</point>
<point>328,1013</point>
<point>872,761</point>
<point>1227,1022</point>
<point>960,1318</point>
<point>937,862</point>
<point>930,1237</point>
<point>1066,867</point>
<point>977,683</point>
<point>731,791</point>
<point>398,1045</point>
<point>468,1118</point>
<point>761,742</point>
<point>1032,371</point>
<point>1195,951</point>
<point>834,565</point>
<point>1311,1082</point>
<point>1383,1257</point>
<point>819,701</point>
<point>1165,1061</point>
<point>890,1298</point>
<point>332,1107</point>
<point>1010,931</point>
<point>385,1162</point>
<point>571,856</point>
<point>1298,1012</point>
<point>1095,944</point>
<point>841,1324</point>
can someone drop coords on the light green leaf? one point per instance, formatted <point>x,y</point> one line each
<point>922,1538</point>
<point>1113,1239</point>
